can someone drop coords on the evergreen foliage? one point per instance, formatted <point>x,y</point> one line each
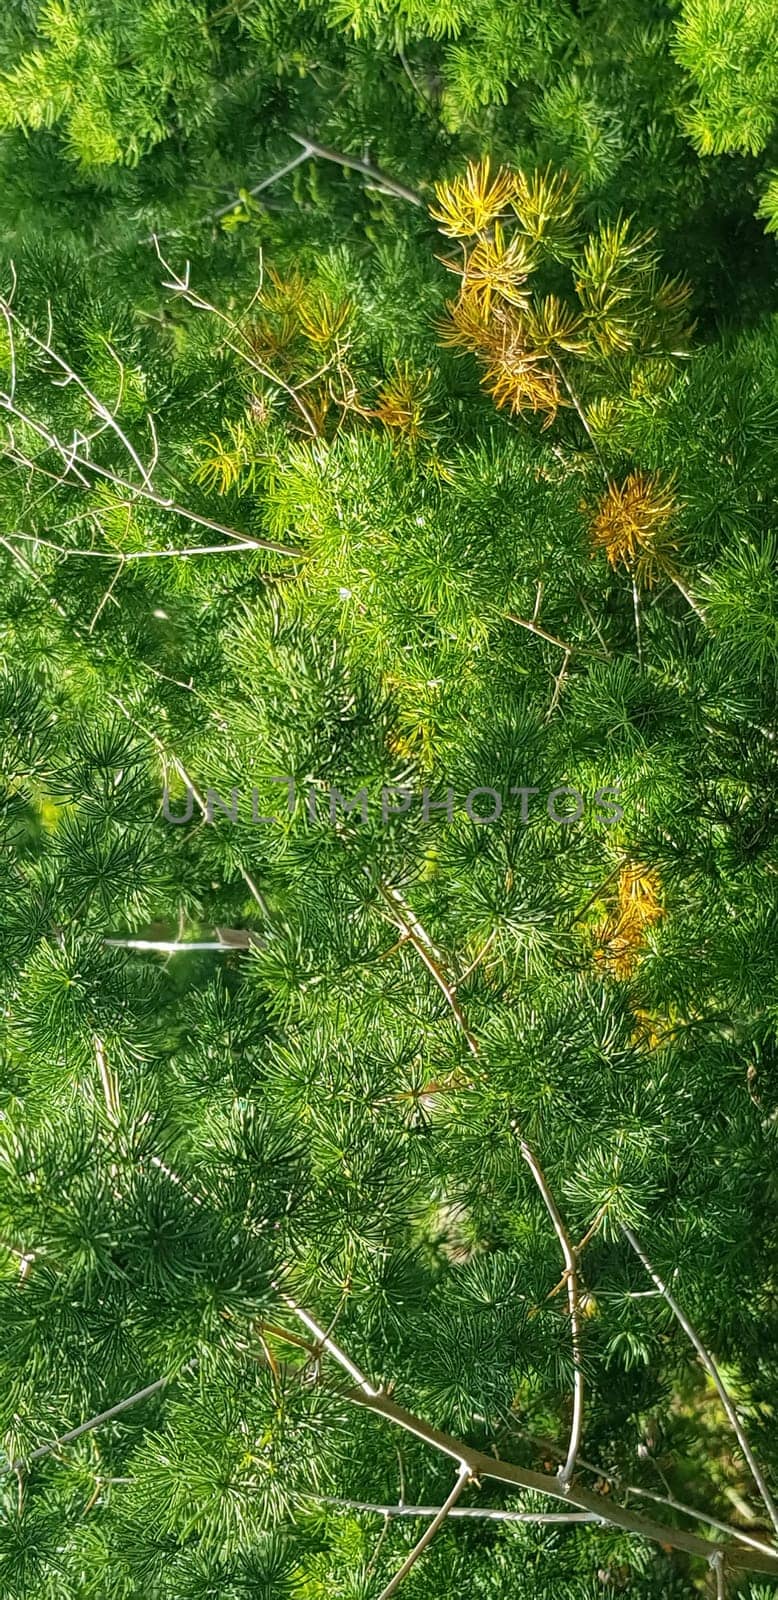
<point>390,404</point>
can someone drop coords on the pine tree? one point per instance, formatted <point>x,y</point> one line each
<point>390,627</point>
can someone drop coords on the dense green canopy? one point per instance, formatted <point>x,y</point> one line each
<point>389,910</point>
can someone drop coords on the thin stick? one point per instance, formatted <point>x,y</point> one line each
<point>558,682</point>
<point>576,403</point>
<point>75,462</point>
<point>275,177</point>
<point>534,627</point>
<point>427,1536</point>
<point>170,947</point>
<point>181,287</point>
<point>717,1563</point>
<point>711,1368</point>
<point>108,1084</point>
<point>424,948</point>
<point>476,1513</point>
<point>327,1343</point>
<point>689,598</point>
<point>93,1422</point>
<point>379,178</point>
<point>142,555</point>
<point>636,610</point>
<point>571,1274</point>
<point>72,377</point>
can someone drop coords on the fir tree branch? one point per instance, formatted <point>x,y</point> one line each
<point>380,179</point>
<point>463,1477</point>
<point>713,1372</point>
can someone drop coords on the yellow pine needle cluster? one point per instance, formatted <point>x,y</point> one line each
<point>638,907</point>
<point>470,203</point>
<point>544,203</point>
<point>495,316</point>
<point>633,522</point>
<point>509,226</point>
<point>401,403</point>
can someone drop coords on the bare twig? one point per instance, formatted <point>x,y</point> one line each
<point>380,179</point>
<point>229,940</point>
<point>713,1372</point>
<point>541,633</point>
<point>475,1513</point>
<point>409,924</point>
<point>325,1342</point>
<point>266,183</point>
<point>75,462</point>
<point>636,610</point>
<point>68,551</point>
<point>428,1535</point>
<point>573,1300</point>
<point>181,286</point>
<point>108,1084</point>
<point>717,1563</point>
<point>107,416</point>
<point>422,944</point>
<point>75,457</point>
<point>93,1422</point>
<point>558,682</point>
